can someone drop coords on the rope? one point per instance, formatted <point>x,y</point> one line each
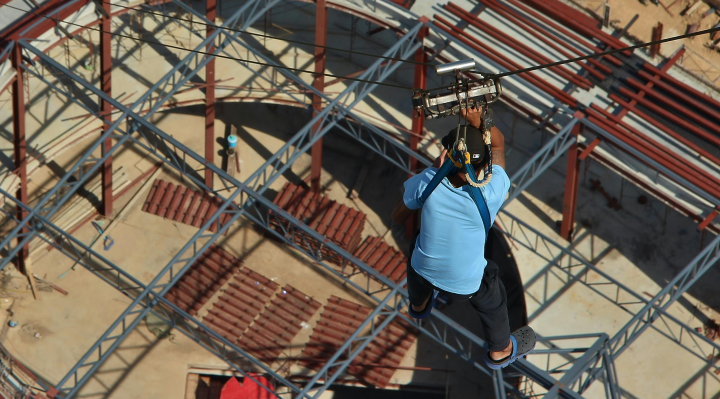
<point>487,174</point>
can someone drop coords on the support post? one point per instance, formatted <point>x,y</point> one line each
<point>606,16</point>
<point>210,13</point>
<point>319,84</point>
<point>418,120</point>
<point>20,150</point>
<point>571,187</point>
<point>656,35</point>
<point>106,206</point>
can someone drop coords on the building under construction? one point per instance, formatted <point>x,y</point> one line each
<point>196,198</point>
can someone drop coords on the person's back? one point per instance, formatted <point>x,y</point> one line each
<point>447,256</point>
<point>448,252</point>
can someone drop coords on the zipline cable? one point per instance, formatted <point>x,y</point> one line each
<point>298,70</point>
<point>585,57</point>
<point>494,76</point>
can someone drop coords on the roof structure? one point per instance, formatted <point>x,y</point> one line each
<point>643,121</point>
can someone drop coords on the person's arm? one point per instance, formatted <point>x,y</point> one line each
<point>440,160</point>
<point>401,213</point>
<point>497,139</point>
<point>498,147</point>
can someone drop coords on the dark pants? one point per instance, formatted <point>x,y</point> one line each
<point>490,301</point>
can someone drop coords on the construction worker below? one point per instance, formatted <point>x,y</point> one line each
<point>446,261</point>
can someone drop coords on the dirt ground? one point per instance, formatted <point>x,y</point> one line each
<point>702,55</point>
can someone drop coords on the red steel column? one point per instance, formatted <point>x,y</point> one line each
<point>418,118</point>
<point>210,13</point>
<point>20,148</point>
<point>106,206</point>
<point>319,84</point>
<point>572,179</point>
<point>656,35</point>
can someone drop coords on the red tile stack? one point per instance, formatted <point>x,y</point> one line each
<point>387,349</point>
<point>339,223</point>
<point>207,275</point>
<point>338,321</point>
<point>387,260</point>
<point>244,298</point>
<point>279,323</point>
<point>182,204</point>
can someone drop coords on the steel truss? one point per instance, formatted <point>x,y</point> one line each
<point>653,309</point>
<point>338,113</point>
<point>168,85</point>
<point>254,206</point>
<point>439,327</point>
<point>88,365</point>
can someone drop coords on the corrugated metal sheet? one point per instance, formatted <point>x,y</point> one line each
<point>341,224</point>
<point>279,323</point>
<point>182,204</point>
<point>387,260</point>
<point>205,277</point>
<point>243,299</point>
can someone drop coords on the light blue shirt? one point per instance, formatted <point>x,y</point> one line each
<point>450,250</point>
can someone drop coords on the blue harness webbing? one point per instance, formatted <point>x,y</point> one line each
<point>448,167</point>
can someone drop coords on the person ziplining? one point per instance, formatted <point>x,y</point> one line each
<point>458,198</point>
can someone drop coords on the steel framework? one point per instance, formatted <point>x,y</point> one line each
<point>245,199</point>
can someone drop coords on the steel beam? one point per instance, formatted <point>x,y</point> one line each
<point>659,304</point>
<point>354,345</point>
<point>649,85</point>
<point>566,261</point>
<point>418,122</point>
<point>106,206</point>
<point>20,151</point>
<point>210,12</point>
<point>656,35</point>
<point>129,286</point>
<point>168,85</point>
<point>368,134</point>
<point>542,160</point>
<point>175,154</point>
<point>588,360</point>
<point>318,84</point>
<point>158,144</point>
<point>572,182</point>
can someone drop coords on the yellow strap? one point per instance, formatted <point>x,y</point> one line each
<point>458,164</point>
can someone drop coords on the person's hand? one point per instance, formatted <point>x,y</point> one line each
<point>439,160</point>
<point>473,115</point>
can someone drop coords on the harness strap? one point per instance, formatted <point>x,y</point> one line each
<point>475,192</point>
<point>441,173</point>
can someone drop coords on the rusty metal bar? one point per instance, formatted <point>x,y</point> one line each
<point>452,31</point>
<point>319,84</point>
<point>418,119</point>
<point>648,86</point>
<point>210,12</point>
<point>516,45</point>
<point>106,206</point>
<point>656,35</point>
<point>20,150</point>
<point>546,37</point>
<point>572,179</point>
